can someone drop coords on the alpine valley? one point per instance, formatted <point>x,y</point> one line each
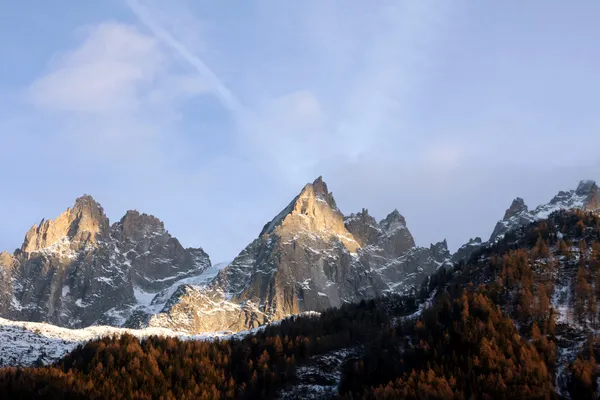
<point>319,305</point>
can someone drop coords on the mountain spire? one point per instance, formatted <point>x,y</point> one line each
<point>517,206</point>
<point>316,207</point>
<point>85,222</point>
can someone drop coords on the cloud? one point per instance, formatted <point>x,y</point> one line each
<point>106,74</point>
<point>118,93</point>
<point>228,99</point>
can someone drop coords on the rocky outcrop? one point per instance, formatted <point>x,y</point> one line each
<point>77,270</point>
<point>516,215</point>
<point>465,252</point>
<point>363,227</point>
<point>308,258</point>
<point>591,195</point>
<point>7,264</point>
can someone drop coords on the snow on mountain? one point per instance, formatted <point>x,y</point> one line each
<point>25,343</point>
<point>585,197</point>
<point>35,343</point>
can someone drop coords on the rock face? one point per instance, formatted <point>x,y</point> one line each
<point>308,258</point>
<point>77,270</point>
<point>516,215</point>
<point>465,252</point>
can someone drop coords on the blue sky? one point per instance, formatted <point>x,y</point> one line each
<point>212,117</point>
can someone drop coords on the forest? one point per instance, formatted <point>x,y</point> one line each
<point>491,332</point>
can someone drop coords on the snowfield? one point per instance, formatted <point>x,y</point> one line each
<point>31,343</point>
<point>27,343</point>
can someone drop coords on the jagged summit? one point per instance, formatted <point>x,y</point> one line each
<point>320,189</point>
<point>585,197</point>
<point>440,249</point>
<point>590,190</point>
<point>313,210</point>
<point>517,206</point>
<point>363,227</point>
<point>393,221</point>
<point>136,225</point>
<point>86,201</point>
<point>85,222</point>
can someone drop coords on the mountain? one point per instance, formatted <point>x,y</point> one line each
<point>545,276</point>
<point>308,258</point>
<point>585,197</point>
<point>519,321</point>
<point>513,317</point>
<point>78,270</point>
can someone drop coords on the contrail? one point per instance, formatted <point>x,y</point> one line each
<point>228,99</point>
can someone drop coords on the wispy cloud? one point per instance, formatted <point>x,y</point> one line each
<point>228,99</point>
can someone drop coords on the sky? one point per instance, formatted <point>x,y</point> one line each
<point>212,116</point>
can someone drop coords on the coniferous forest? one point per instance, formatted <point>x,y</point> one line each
<point>488,329</point>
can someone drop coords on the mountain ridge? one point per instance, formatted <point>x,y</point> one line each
<point>79,269</point>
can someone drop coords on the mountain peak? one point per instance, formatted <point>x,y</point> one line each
<point>136,225</point>
<point>85,201</point>
<point>313,210</point>
<point>320,191</point>
<point>591,192</point>
<point>363,227</point>
<point>586,187</point>
<point>517,206</point>
<point>439,247</point>
<point>394,220</point>
<point>84,222</point>
<point>475,240</point>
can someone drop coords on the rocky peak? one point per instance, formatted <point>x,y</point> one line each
<point>440,249</point>
<point>591,192</point>
<point>465,252</point>
<point>393,221</point>
<point>586,187</point>
<point>5,259</point>
<point>84,223</point>
<point>363,227</point>
<point>313,211</point>
<point>395,237</point>
<point>475,241</point>
<point>585,197</point>
<point>362,215</point>
<point>137,226</point>
<point>518,206</point>
<point>320,190</point>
